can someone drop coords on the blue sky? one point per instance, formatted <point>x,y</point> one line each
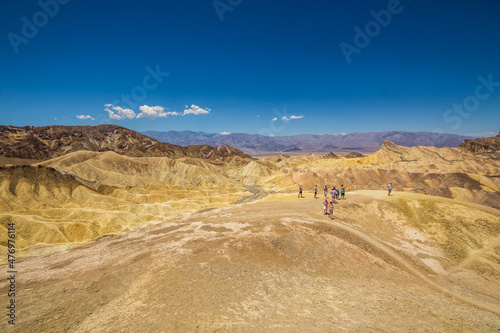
<point>235,65</point>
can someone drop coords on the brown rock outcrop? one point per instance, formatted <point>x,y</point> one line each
<point>482,145</point>
<point>352,154</point>
<point>47,142</point>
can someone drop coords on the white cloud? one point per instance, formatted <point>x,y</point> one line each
<point>225,133</point>
<point>274,119</point>
<point>196,110</point>
<point>258,116</point>
<point>118,113</point>
<point>83,117</point>
<point>292,117</point>
<point>153,112</point>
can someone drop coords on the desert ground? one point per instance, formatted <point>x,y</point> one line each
<point>277,264</point>
<point>114,243</point>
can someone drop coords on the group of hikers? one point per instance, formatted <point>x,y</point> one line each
<point>337,194</point>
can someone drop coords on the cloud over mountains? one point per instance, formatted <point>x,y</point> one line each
<point>83,117</point>
<point>150,112</point>
<point>196,110</point>
<point>118,113</point>
<point>292,117</point>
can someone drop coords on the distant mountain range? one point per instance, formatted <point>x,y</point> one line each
<point>307,143</point>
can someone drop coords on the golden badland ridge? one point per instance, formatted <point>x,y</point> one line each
<point>254,257</point>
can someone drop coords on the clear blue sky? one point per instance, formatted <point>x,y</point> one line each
<point>230,74</point>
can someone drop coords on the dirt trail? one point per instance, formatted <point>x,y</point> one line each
<point>475,255</point>
<point>409,266</point>
<point>257,193</point>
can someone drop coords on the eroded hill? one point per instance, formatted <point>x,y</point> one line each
<point>483,145</point>
<point>77,198</point>
<point>41,143</point>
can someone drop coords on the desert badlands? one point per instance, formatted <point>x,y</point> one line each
<point>117,232</point>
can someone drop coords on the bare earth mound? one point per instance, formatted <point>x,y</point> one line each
<point>279,265</point>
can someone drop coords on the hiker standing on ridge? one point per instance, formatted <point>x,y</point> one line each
<point>389,188</point>
<point>326,191</point>
<point>300,192</point>
<point>342,192</point>
<point>330,208</point>
<point>315,191</point>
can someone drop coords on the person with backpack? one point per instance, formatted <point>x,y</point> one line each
<point>389,189</point>
<point>300,191</point>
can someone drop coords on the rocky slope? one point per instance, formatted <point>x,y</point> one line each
<point>47,142</point>
<point>483,145</point>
